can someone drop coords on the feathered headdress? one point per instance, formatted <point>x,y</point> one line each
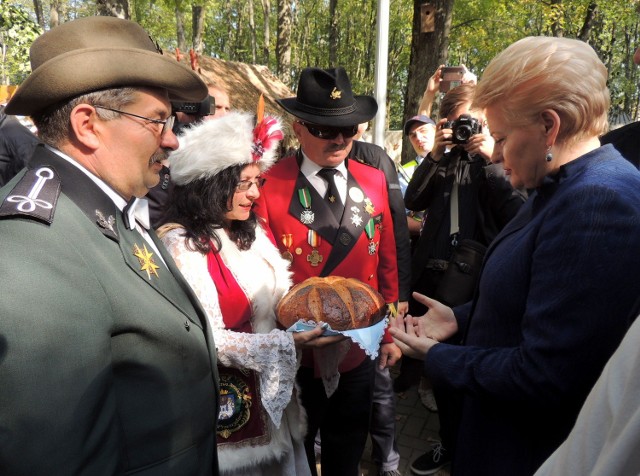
<point>217,144</point>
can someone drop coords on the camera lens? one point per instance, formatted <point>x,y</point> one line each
<point>463,133</point>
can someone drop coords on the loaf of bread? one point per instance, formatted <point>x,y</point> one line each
<point>343,303</point>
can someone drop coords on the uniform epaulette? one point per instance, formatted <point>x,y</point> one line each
<point>35,195</point>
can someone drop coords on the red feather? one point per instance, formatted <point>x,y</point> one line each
<point>266,134</point>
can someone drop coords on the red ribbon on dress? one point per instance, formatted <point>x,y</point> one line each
<point>235,307</point>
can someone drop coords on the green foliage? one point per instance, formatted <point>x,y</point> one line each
<point>17,32</point>
<point>158,18</point>
<point>480,30</point>
<point>483,28</point>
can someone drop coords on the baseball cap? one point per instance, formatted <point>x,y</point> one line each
<point>421,119</point>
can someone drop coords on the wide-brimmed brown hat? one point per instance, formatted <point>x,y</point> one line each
<point>95,53</point>
<point>324,97</point>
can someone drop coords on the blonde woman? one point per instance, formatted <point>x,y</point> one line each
<point>559,283</point>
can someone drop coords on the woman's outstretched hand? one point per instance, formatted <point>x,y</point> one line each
<point>416,335</point>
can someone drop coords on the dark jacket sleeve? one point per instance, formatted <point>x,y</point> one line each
<point>626,140</point>
<point>499,199</point>
<point>378,158</point>
<point>426,179</point>
<point>16,146</point>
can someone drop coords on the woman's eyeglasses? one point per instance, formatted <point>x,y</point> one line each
<point>167,124</point>
<point>245,185</point>
<point>330,133</point>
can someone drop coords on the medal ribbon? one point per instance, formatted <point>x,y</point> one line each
<point>370,228</point>
<point>313,239</point>
<point>287,240</point>
<point>305,197</point>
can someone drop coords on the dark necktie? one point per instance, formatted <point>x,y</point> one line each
<point>332,196</point>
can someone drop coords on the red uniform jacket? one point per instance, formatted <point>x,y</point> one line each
<point>345,249</point>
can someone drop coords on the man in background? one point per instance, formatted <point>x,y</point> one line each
<point>215,106</point>
<point>221,100</point>
<point>17,144</point>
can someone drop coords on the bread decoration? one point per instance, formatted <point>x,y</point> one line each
<point>343,303</point>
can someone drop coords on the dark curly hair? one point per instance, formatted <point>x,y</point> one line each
<point>200,207</point>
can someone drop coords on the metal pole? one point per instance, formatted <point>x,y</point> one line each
<point>382,58</point>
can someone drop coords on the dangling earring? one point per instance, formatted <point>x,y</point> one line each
<point>549,156</point>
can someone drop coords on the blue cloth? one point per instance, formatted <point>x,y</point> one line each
<point>368,338</point>
<point>556,296</point>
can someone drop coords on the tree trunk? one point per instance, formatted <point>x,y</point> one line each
<point>228,46</point>
<point>181,36</point>
<point>587,26</point>
<point>197,20</point>
<point>37,6</point>
<point>333,33</point>
<point>252,33</point>
<point>113,8</point>
<point>428,51</point>
<point>557,28</point>
<point>266,8</point>
<point>283,44</point>
<point>55,12</point>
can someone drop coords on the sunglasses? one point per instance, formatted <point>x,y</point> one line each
<point>328,132</point>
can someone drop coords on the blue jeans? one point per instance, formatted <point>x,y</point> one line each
<point>383,422</point>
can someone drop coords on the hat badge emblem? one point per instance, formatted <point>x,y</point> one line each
<point>336,93</point>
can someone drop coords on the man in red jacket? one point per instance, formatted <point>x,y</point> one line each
<point>330,216</point>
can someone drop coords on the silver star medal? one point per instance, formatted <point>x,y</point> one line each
<point>356,220</point>
<point>372,247</point>
<point>307,217</point>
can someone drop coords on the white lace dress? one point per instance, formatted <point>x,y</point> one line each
<point>264,277</point>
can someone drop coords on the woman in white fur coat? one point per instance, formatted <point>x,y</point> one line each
<point>239,276</point>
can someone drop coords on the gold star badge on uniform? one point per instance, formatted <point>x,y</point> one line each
<point>146,260</point>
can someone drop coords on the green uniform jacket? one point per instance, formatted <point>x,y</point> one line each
<point>105,367</point>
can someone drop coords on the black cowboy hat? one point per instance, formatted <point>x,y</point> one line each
<point>325,98</point>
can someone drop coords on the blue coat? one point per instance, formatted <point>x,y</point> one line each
<point>556,295</point>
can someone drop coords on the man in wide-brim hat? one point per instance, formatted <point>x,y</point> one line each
<point>329,212</point>
<point>106,362</point>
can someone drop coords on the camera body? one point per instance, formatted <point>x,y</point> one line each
<point>463,128</point>
<point>196,109</point>
<point>202,108</point>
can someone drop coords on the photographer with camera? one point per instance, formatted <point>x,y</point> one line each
<point>191,113</point>
<point>187,114</point>
<point>468,200</point>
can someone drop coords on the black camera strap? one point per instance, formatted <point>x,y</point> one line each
<point>454,209</point>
